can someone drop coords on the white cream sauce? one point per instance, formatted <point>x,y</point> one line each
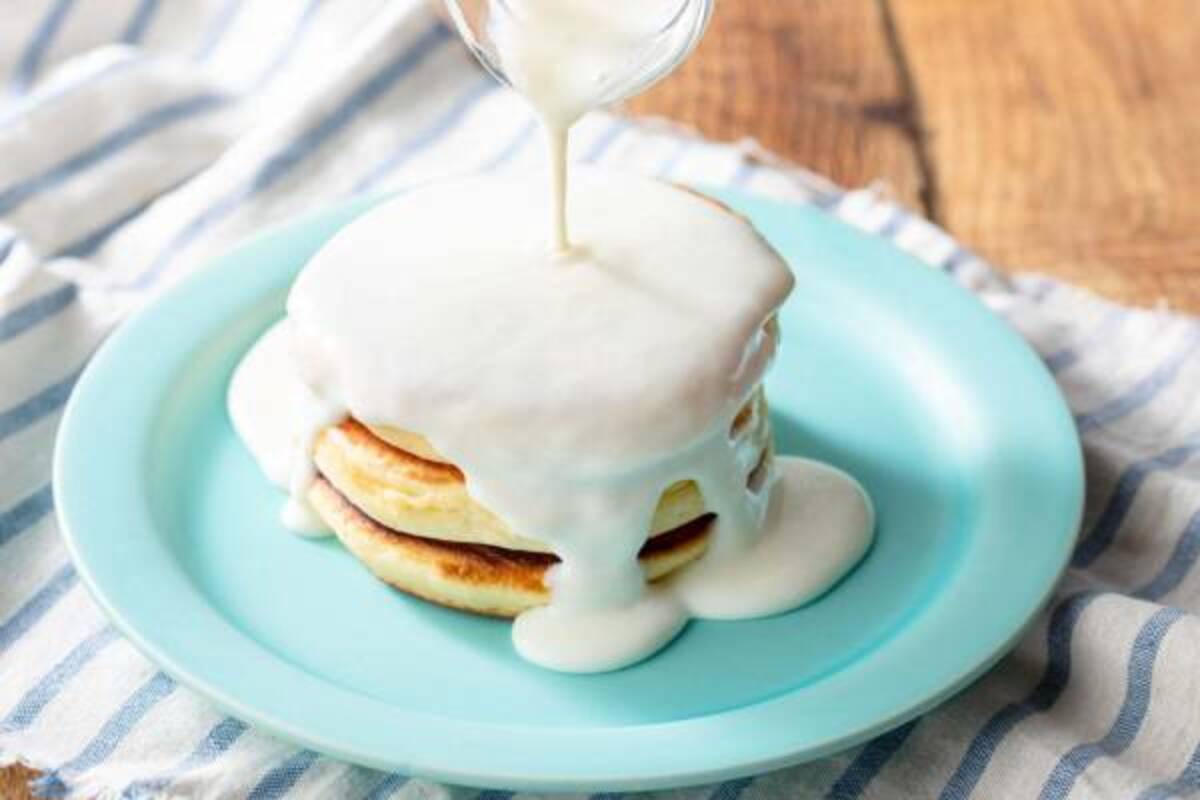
<point>567,57</point>
<point>572,388</point>
<point>278,417</point>
<point>818,525</point>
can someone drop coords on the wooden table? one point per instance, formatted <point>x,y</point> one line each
<point>1061,136</point>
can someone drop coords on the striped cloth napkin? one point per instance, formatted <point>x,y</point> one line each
<point>139,138</point>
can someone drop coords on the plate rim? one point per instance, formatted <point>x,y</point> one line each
<point>631,776</point>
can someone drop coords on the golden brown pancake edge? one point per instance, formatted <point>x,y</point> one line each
<point>480,578</point>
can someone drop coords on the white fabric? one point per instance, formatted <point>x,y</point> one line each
<point>138,138</point>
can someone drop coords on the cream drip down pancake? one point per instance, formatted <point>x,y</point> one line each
<point>578,440</point>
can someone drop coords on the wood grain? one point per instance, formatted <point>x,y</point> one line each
<point>1065,135</point>
<point>13,782</point>
<point>813,80</point>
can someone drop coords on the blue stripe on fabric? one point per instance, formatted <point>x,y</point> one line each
<point>276,166</point>
<point>510,149</point>
<point>93,240</point>
<point>87,244</point>
<point>604,141</point>
<point>427,135</point>
<point>829,202</point>
<point>386,787</point>
<point>494,794</point>
<point>217,30</point>
<point>36,607</point>
<point>110,735</point>
<point>139,23</point>
<point>1061,359</point>
<point>218,739</point>
<point>1145,390</point>
<point>25,316</point>
<point>1067,357</point>
<point>1042,289</point>
<point>50,685</point>
<point>19,111</point>
<point>869,762</point>
<point>507,151</point>
<point>953,262</point>
<point>1120,502</point>
<point>983,746</point>
<point>1185,784</point>
<point>731,790</point>
<point>26,513</point>
<point>149,123</point>
<point>743,173</point>
<point>280,779</point>
<point>41,405</point>
<point>608,796</point>
<point>891,226</point>
<point>35,52</point>
<point>1178,565</point>
<point>671,161</point>
<point>1124,730</point>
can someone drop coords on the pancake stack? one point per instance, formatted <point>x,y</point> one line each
<point>496,428</point>
<point>405,512</point>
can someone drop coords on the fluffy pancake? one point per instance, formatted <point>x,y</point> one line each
<point>411,522</point>
<point>404,491</point>
<point>472,577</point>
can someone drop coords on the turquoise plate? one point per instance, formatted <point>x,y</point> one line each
<point>888,370</point>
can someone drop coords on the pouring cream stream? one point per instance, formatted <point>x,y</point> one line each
<point>567,57</point>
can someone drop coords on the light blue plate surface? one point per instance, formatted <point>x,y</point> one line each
<point>888,370</point>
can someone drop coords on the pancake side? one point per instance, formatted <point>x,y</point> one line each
<point>473,577</point>
<point>403,491</point>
